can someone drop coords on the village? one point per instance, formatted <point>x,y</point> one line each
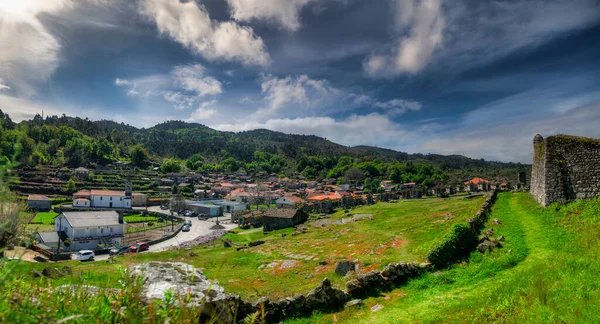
<point>180,207</point>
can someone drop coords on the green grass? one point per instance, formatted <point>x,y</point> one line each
<point>130,229</point>
<point>550,276</point>
<point>46,218</point>
<point>401,231</point>
<point>138,218</point>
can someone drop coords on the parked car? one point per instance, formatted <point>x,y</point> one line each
<point>139,247</point>
<point>185,228</point>
<point>187,223</point>
<point>164,207</point>
<point>202,217</point>
<point>85,255</point>
<point>119,250</point>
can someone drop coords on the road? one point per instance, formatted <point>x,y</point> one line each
<point>199,228</point>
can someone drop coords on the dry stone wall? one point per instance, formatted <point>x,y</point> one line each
<point>565,168</point>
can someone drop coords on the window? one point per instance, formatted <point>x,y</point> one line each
<point>110,198</point>
<point>100,197</point>
<point>111,229</point>
<point>102,230</point>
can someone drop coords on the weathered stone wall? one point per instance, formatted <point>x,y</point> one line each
<point>565,168</point>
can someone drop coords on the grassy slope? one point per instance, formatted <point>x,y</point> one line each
<point>401,231</point>
<point>550,276</point>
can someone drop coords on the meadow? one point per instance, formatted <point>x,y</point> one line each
<point>546,272</point>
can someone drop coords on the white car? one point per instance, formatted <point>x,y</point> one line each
<point>85,255</point>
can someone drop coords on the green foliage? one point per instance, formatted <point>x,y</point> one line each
<point>455,246</point>
<point>139,156</point>
<point>171,165</point>
<point>70,187</point>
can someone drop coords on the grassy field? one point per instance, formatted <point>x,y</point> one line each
<point>402,231</point>
<point>45,218</point>
<point>138,218</point>
<point>547,272</point>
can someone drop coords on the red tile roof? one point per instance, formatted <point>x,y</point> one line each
<point>95,192</point>
<point>477,180</point>
<point>37,197</point>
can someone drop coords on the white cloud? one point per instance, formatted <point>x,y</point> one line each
<point>360,99</point>
<point>3,86</point>
<point>294,91</point>
<point>396,107</point>
<point>424,21</point>
<point>204,112</point>
<point>190,78</point>
<point>190,24</point>
<point>29,53</point>
<point>281,12</point>
<point>183,87</point>
<point>372,129</point>
<point>122,82</point>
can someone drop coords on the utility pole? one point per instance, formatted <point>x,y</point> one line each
<point>58,233</point>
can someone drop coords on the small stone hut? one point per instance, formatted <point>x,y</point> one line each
<point>274,218</point>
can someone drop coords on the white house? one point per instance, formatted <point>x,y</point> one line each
<point>88,229</point>
<point>288,201</point>
<point>107,198</point>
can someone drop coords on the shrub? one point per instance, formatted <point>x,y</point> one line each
<point>455,246</point>
<point>150,223</point>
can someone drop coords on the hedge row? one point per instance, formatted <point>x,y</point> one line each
<point>462,239</point>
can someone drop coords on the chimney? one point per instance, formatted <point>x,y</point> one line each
<point>120,212</point>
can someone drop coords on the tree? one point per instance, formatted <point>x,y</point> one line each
<point>170,165</point>
<point>354,175</point>
<point>139,156</point>
<point>70,188</point>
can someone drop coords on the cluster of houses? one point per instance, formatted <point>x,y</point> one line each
<point>288,201</point>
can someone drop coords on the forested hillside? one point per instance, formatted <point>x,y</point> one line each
<point>73,142</point>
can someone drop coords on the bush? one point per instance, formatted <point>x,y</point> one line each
<point>454,247</point>
<point>150,223</point>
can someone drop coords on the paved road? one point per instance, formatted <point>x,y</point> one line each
<point>198,228</point>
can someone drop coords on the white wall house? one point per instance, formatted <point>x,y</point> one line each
<point>103,198</point>
<point>88,229</point>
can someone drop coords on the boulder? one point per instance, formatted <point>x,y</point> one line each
<point>181,279</point>
<point>497,221</point>
<point>353,302</point>
<point>36,274</point>
<point>325,296</point>
<point>192,254</point>
<point>343,267</point>
<point>52,272</point>
<point>484,246</point>
<point>66,271</point>
<point>256,243</point>
<point>376,307</point>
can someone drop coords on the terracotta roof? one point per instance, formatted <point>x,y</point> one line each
<point>95,192</point>
<point>324,196</point>
<point>82,193</point>
<point>477,180</point>
<point>293,199</point>
<point>279,212</point>
<point>82,199</point>
<point>37,197</point>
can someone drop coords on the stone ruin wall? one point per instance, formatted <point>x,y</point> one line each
<point>565,168</point>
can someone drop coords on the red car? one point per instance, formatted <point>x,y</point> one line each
<point>139,247</point>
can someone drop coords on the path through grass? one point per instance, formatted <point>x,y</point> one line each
<point>549,275</point>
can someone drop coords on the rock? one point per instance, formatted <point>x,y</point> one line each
<point>283,235</point>
<point>36,274</point>
<point>482,238</point>
<point>192,254</point>
<point>353,302</point>
<point>227,243</point>
<point>500,238</point>
<point>489,231</point>
<point>482,247</point>
<point>241,248</point>
<point>343,267</point>
<point>52,272</point>
<point>376,307</point>
<point>66,271</point>
<point>353,287</point>
<point>425,265</point>
<point>40,258</point>
<point>256,243</point>
<point>497,221</point>
<point>323,262</point>
<point>324,296</point>
<point>181,279</point>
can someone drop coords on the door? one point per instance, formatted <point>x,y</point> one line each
<point>110,205</point>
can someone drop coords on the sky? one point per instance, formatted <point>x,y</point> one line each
<point>470,77</point>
